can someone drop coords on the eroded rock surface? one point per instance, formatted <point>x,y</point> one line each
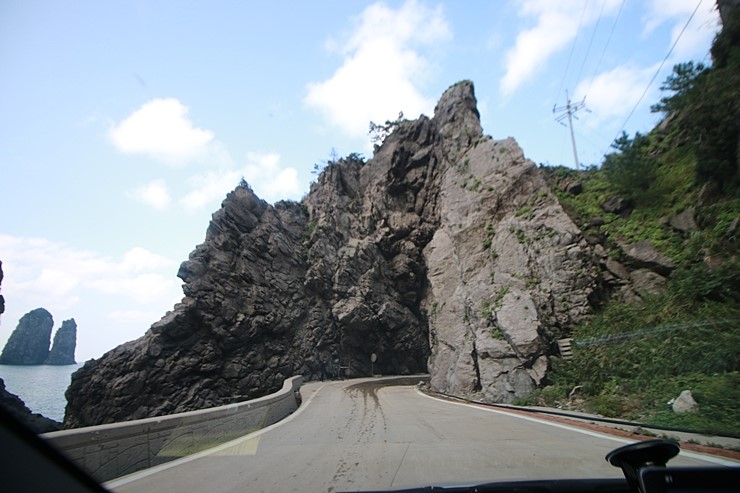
<point>29,342</point>
<point>2,298</point>
<point>65,341</point>
<point>447,251</point>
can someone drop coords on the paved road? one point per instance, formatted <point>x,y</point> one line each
<point>365,434</point>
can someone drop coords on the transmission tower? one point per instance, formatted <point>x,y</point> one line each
<point>568,111</point>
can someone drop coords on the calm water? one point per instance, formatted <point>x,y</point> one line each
<point>40,386</point>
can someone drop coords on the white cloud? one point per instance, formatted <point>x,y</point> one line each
<point>556,26</point>
<point>112,299</point>
<point>53,282</point>
<point>699,33</point>
<point>269,180</point>
<point>142,288</point>
<point>614,93</point>
<point>209,188</point>
<point>53,274</point>
<point>138,259</point>
<point>133,316</point>
<point>155,194</point>
<point>161,129</point>
<point>382,69</point>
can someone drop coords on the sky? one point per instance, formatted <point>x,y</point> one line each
<point>124,124</point>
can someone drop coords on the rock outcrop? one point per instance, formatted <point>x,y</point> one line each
<point>29,342</point>
<point>63,349</point>
<point>446,252</point>
<point>15,406</point>
<point>2,299</point>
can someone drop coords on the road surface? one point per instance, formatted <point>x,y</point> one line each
<point>371,434</point>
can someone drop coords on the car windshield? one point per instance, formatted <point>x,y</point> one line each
<point>345,246</point>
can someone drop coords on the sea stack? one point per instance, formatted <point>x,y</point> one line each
<point>29,342</point>
<point>63,350</point>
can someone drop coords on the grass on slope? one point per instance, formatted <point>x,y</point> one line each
<point>630,360</point>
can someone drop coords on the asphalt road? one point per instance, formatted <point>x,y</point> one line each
<point>371,434</point>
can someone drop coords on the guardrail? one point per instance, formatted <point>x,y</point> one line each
<point>116,449</point>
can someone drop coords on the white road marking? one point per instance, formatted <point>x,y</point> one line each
<point>693,455</point>
<point>178,462</point>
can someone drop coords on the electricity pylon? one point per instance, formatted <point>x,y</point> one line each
<point>568,111</point>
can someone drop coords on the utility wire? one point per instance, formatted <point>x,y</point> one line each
<point>603,52</point>
<point>590,41</point>
<point>660,67</point>
<point>653,330</point>
<point>572,49</point>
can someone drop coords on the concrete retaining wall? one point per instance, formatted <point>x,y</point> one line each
<point>113,450</point>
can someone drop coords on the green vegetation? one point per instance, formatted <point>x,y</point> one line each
<point>490,233</point>
<point>525,211</point>
<point>307,233</point>
<point>706,105</point>
<point>378,132</point>
<point>485,310</point>
<point>631,169</point>
<point>498,300</point>
<point>631,359</point>
<point>532,282</point>
<point>243,184</point>
<point>496,333</point>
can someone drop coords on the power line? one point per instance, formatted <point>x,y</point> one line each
<point>572,49</point>
<point>590,41</point>
<point>660,67</point>
<point>654,330</point>
<point>603,52</point>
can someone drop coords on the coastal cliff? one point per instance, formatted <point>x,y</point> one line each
<point>446,252</point>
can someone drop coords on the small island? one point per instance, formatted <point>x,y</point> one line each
<point>29,342</point>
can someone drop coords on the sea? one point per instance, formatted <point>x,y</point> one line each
<point>40,386</point>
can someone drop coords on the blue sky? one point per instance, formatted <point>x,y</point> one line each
<point>124,124</point>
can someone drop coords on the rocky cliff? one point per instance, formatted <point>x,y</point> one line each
<point>29,342</point>
<point>63,349</point>
<point>446,252</point>
<point>2,298</point>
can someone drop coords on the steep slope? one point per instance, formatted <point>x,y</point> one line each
<point>446,251</point>
<point>663,212</point>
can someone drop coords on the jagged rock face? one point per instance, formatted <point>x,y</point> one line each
<point>29,342</point>
<point>63,349</point>
<point>508,269</point>
<point>446,252</point>
<point>2,299</point>
<point>231,335</point>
